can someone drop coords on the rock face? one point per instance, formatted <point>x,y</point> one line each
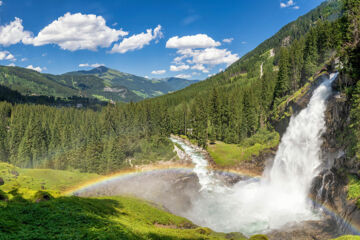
<point>329,188</point>
<point>295,106</point>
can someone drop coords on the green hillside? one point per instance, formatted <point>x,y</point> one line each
<point>30,82</point>
<point>236,103</point>
<point>143,87</point>
<point>28,195</point>
<point>100,83</point>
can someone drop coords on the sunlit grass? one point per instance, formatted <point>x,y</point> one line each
<point>232,154</point>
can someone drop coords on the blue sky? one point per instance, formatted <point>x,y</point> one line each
<point>159,38</point>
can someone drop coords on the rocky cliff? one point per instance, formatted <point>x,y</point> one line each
<point>330,187</point>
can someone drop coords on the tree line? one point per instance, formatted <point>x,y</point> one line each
<point>230,107</point>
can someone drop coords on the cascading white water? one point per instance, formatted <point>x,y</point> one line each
<point>280,197</point>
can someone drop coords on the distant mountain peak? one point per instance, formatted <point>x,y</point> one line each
<point>100,69</point>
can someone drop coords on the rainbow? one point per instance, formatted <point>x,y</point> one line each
<point>123,174</point>
<point>354,228</point>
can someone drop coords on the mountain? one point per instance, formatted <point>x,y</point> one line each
<point>30,82</point>
<point>142,87</point>
<point>101,83</point>
<point>245,98</point>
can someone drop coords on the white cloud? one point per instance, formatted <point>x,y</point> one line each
<point>137,41</point>
<point>183,76</point>
<point>24,59</point>
<point>200,67</point>
<point>243,42</point>
<point>1,3</point>
<point>13,33</point>
<point>78,31</point>
<point>211,56</point>
<point>289,3</point>
<point>210,75</point>
<point>38,69</point>
<point>11,65</point>
<point>193,41</point>
<point>158,72</point>
<point>5,55</point>
<point>228,40</point>
<point>146,77</point>
<point>182,67</point>
<point>94,65</point>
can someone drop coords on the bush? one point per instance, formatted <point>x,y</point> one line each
<point>259,237</point>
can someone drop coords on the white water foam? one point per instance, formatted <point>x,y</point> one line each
<point>280,197</point>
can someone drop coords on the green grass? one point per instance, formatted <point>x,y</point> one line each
<point>140,94</point>
<point>232,154</point>
<point>94,218</point>
<point>24,214</point>
<point>28,181</point>
<point>348,237</point>
<point>354,189</point>
<point>101,98</point>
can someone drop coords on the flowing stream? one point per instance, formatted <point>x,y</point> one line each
<point>280,197</point>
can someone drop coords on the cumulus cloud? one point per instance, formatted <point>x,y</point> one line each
<point>38,69</point>
<point>158,72</point>
<point>77,31</point>
<point>200,67</point>
<point>5,55</point>
<point>193,41</point>
<point>211,56</point>
<point>94,65</point>
<point>13,33</point>
<point>199,52</point>
<point>137,41</point>
<point>182,67</point>
<point>24,59</point>
<point>183,76</point>
<point>228,40</point>
<point>11,65</point>
<point>289,3</point>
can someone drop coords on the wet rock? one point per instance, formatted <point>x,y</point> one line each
<point>3,196</point>
<point>295,107</point>
<point>330,186</point>
<point>42,196</point>
<point>309,230</point>
<point>233,236</point>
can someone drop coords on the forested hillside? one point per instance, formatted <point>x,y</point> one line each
<point>100,83</point>
<point>236,103</point>
<point>231,106</point>
<point>143,88</point>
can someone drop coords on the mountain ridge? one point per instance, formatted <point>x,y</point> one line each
<point>102,83</point>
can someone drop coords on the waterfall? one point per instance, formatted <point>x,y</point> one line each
<point>280,197</point>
